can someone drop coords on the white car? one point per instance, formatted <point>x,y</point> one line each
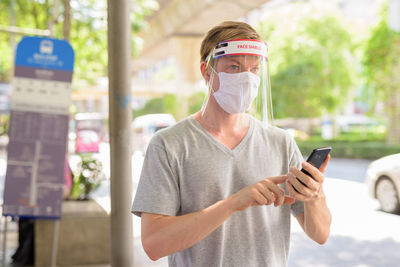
<point>145,126</point>
<point>383,180</point>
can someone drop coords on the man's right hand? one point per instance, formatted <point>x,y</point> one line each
<point>265,192</point>
<point>163,235</point>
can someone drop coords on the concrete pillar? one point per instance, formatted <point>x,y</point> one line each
<point>120,117</point>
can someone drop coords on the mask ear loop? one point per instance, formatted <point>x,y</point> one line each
<point>209,85</point>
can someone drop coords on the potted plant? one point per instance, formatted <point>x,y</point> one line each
<point>87,177</point>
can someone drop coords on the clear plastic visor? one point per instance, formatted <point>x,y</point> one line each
<point>240,86</point>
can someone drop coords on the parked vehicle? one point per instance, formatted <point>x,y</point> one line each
<point>356,122</point>
<point>87,131</point>
<point>145,126</point>
<point>383,180</point>
<point>87,141</point>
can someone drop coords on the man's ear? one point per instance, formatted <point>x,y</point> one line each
<point>204,71</point>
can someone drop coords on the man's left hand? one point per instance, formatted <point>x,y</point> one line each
<point>311,189</point>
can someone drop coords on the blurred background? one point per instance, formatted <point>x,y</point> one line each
<point>335,82</point>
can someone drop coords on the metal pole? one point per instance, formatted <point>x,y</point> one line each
<point>120,116</point>
<point>53,19</point>
<point>54,246</point>
<point>5,230</point>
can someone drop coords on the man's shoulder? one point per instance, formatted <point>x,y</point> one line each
<point>172,134</point>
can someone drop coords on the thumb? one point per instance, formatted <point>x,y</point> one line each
<point>289,200</point>
<point>279,179</point>
<point>323,167</point>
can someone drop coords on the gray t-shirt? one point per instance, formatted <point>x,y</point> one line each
<point>186,170</point>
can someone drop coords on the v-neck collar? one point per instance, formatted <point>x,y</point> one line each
<point>220,145</point>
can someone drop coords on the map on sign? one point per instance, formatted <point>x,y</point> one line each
<point>38,131</point>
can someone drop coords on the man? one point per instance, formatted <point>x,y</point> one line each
<point>217,189</point>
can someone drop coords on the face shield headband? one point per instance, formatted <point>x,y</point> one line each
<point>240,47</point>
<point>245,51</point>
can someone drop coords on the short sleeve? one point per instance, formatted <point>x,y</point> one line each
<point>158,189</point>
<point>295,160</point>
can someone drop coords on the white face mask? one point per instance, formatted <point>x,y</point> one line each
<point>236,91</point>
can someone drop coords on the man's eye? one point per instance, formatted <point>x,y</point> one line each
<point>255,69</point>
<point>234,67</point>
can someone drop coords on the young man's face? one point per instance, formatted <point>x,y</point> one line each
<point>235,64</point>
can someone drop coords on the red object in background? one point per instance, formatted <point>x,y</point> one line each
<point>67,174</point>
<point>87,141</point>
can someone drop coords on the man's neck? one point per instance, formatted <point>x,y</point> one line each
<point>214,119</point>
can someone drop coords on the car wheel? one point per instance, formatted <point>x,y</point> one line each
<point>387,196</point>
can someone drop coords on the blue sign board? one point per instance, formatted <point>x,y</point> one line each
<point>45,53</point>
<point>40,103</point>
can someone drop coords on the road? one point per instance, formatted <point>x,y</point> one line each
<point>361,234</point>
<point>348,169</point>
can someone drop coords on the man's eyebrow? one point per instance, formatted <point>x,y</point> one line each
<point>230,60</point>
<point>238,62</point>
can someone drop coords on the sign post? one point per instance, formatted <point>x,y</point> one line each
<point>39,118</point>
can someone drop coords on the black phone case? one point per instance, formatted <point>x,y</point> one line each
<point>316,158</point>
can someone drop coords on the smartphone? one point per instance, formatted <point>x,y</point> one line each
<point>317,157</point>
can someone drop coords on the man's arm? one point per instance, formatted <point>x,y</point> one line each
<point>316,219</point>
<point>163,235</point>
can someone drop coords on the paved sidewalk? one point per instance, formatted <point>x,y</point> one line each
<point>361,234</point>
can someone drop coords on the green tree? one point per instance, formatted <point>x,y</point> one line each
<point>31,14</point>
<point>165,104</point>
<point>312,68</point>
<point>179,107</point>
<point>195,102</point>
<point>28,14</point>
<point>381,70</point>
<point>87,30</point>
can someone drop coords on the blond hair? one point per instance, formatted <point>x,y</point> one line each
<point>227,30</point>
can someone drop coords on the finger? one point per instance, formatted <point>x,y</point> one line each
<point>325,164</point>
<point>314,172</point>
<point>285,200</point>
<point>276,190</point>
<point>264,189</point>
<point>289,200</point>
<point>260,199</point>
<point>298,186</point>
<point>293,192</point>
<point>279,194</point>
<point>273,187</point>
<point>278,179</point>
<point>304,178</point>
<point>279,199</point>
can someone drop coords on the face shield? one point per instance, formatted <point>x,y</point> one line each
<point>238,82</point>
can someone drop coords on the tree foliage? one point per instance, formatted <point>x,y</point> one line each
<point>195,102</point>
<point>88,32</point>
<point>311,67</point>
<point>381,69</point>
<point>165,104</point>
<point>172,104</point>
